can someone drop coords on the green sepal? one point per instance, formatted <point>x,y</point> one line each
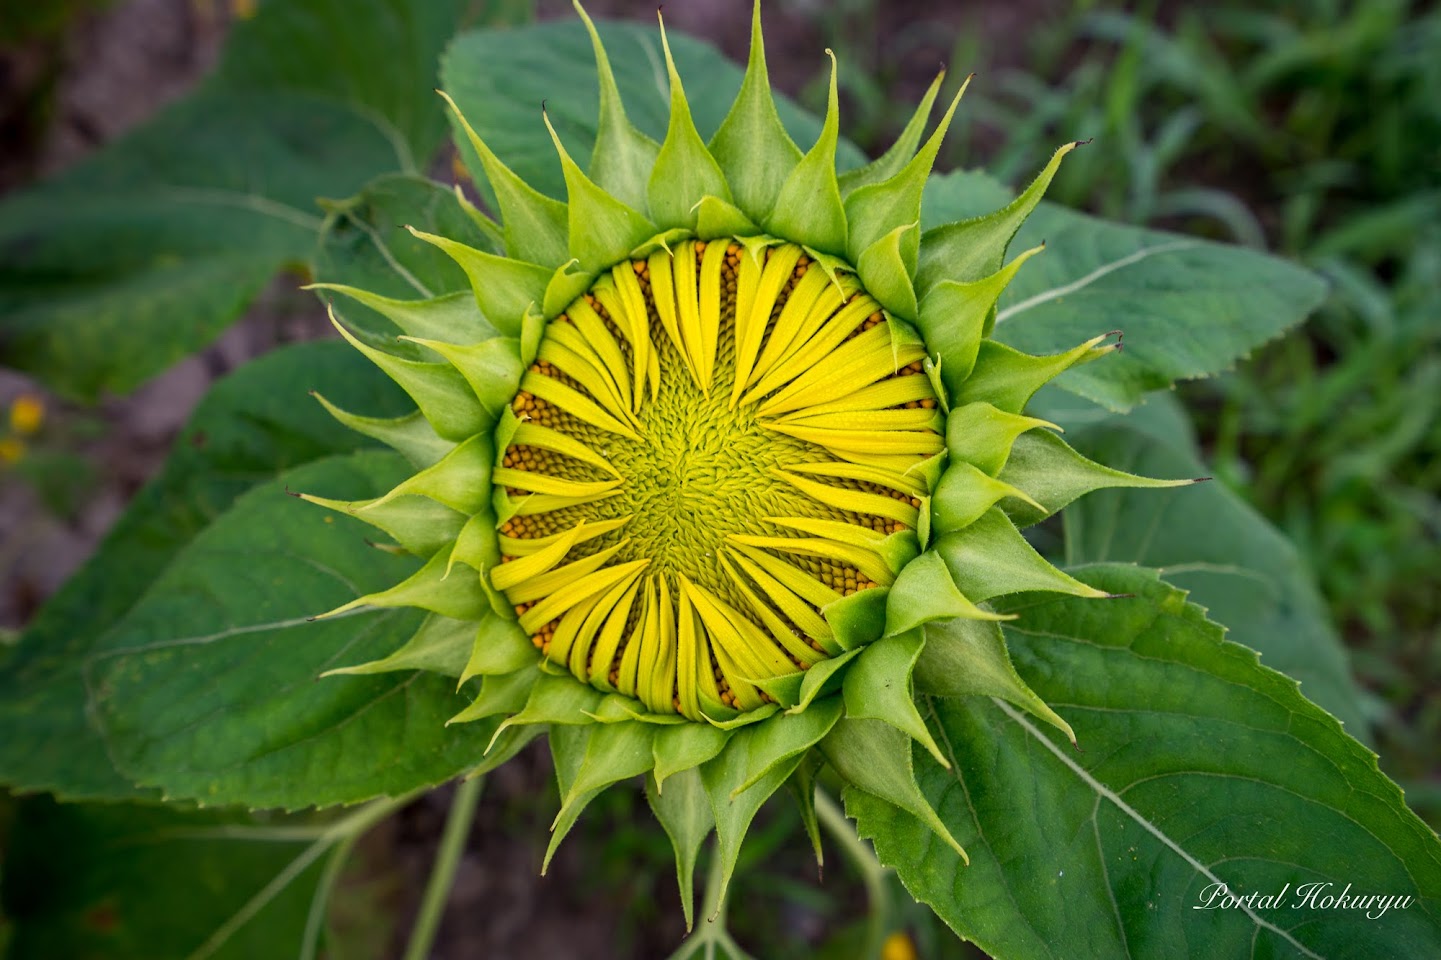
<point>882,269</point>
<point>878,687</point>
<point>785,736</point>
<point>419,524</point>
<point>623,157</point>
<point>685,746</point>
<point>1006,378</point>
<point>430,589</point>
<point>503,287</point>
<point>567,284</point>
<point>752,146</point>
<point>534,225</point>
<point>602,229</point>
<point>453,316</point>
<point>822,680</point>
<point>968,658</point>
<point>956,316</point>
<point>932,367</point>
<point>491,368</point>
<point>981,435</point>
<point>665,240</point>
<point>971,249</point>
<point>716,219</point>
<point>899,549</point>
<point>460,480</point>
<point>722,717</point>
<point>808,209</point>
<point>733,810</point>
<point>498,646</point>
<point>888,164</point>
<point>438,389</point>
<point>876,757</point>
<point>441,645</point>
<point>487,227</point>
<point>411,436</point>
<point>557,699</point>
<point>476,545</point>
<point>568,747</point>
<point>802,787</point>
<point>613,752</point>
<point>685,172</point>
<point>532,331</point>
<point>858,619</point>
<point>875,210</point>
<point>1052,472</point>
<point>685,815</point>
<point>925,591</point>
<point>990,558</point>
<point>500,694</point>
<point>965,492</point>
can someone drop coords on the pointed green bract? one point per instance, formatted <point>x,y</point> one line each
<point>878,687</point>
<point>752,146</point>
<point>491,367</point>
<point>437,389</point>
<point>873,210</point>
<point>503,287</point>
<point>925,591</point>
<point>876,757</point>
<point>956,316</point>
<point>410,436</point>
<point>602,229</point>
<point>965,493</point>
<point>990,558</point>
<point>686,815</point>
<point>623,156</point>
<point>968,658</point>
<point>430,589</point>
<point>1055,474</point>
<point>981,435</point>
<point>972,249</point>
<point>1008,378</point>
<point>453,316</point>
<point>533,224</point>
<point>882,268</point>
<point>901,152</point>
<point>441,645</point>
<point>419,524</point>
<point>808,209</point>
<point>685,172</point>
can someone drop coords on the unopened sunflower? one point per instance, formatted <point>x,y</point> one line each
<point>718,462</point>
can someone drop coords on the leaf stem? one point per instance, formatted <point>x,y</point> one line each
<point>873,874</point>
<point>447,858</point>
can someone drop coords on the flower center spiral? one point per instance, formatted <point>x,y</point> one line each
<point>713,447</point>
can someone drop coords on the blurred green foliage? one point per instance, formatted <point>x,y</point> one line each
<point>1311,128</point>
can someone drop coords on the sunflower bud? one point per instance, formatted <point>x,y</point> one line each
<point>719,459</point>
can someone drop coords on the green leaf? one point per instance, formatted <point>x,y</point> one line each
<point>208,687</point>
<point>130,882</point>
<point>686,816</point>
<point>499,79</point>
<point>1189,308</point>
<point>1196,766</point>
<point>365,245</point>
<point>1209,541</point>
<point>251,425</point>
<point>145,252</point>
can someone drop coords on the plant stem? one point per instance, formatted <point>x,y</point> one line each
<point>447,858</point>
<point>873,874</point>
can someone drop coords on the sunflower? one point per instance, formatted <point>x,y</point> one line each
<point>717,464</point>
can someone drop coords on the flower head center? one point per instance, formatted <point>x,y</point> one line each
<point>712,448</point>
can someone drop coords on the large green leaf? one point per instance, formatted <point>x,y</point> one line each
<point>1197,766</point>
<point>365,242</point>
<point>500,78</point>
<point>143,253</point>
<point>1207,540</point>
<point>1188,308</point>
<point>251,426</point>
<point>210,688</point>
<point>132,882</point>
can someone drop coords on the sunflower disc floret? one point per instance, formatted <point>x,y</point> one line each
<point>718,465</point>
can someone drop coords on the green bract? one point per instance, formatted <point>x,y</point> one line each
<point>720,461</point>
